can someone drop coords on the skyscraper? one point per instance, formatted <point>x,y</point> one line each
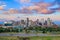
<point>27,24</point>
<point>49,22</point>
<point>37,21</point>
<point>42,21</point>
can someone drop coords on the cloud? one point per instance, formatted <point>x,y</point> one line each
<point>2,7</point>
<point>23,1</point>
<point>7,17</point>
<point>56,9</point>
<point>41,8</point>
<point>46,11</point>
<point>11,10</point>
<point>5,12</point>
<point>37,7</point>
<point>10,17</point>
<point>25,10</point>
<point>43,4</point>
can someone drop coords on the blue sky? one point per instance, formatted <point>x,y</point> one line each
<point>17,4</point>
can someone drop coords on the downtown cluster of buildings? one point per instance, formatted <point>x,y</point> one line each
<point>29,23</point>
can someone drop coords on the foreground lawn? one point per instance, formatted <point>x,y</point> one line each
<point>31,38</point>
<point>8,38</point>
<point>46,38</point>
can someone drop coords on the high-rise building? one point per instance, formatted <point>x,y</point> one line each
<point>27,23</point>
<point>37,22</point>
<point>16,23</point>
<point>42,21</point>
<point>22,23</point>
<point>49,22</point>
<point>30,22</point>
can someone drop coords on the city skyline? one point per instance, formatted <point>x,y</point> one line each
<point>28,23</point>
<point>34,20</point>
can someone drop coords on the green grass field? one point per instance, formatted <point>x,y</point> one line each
<point>31,38</point>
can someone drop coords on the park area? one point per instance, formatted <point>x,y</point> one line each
<point>30,38</point>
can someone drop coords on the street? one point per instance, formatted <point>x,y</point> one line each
<point>26,35</point>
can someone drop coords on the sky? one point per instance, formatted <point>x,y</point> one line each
<point>33,9</point>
